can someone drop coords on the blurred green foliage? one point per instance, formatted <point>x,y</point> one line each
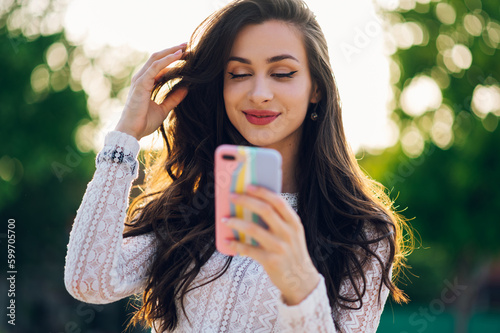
<point>448,188</point>
<point>44,173</point>
<point>43,176</point>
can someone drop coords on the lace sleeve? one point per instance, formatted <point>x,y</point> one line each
<point>314,313</point>
<point>102,267</point>
<point>367,318</point>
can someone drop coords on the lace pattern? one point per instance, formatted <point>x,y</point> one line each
<point>102,267</point>
<point>352,320</point>
<point>115,153</point>
<point>291,198</point>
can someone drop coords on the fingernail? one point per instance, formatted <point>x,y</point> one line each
<point>225,220</point>
<point>251,188</point>
<point>233,195</point>
<point>178,52</point>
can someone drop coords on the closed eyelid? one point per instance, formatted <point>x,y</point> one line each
<point>238,76</point>
<point>243,65</point>
<point>272,74</point>
<point>284,75</point>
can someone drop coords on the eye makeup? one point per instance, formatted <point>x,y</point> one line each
<point>276,75</point>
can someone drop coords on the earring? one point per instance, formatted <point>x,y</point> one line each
<point>314,115</point>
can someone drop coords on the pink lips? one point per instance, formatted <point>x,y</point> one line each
<point>260,117</point>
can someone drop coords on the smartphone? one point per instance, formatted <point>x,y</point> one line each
<point>235,168</point>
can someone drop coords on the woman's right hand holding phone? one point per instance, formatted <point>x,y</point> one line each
<point>141,115</point>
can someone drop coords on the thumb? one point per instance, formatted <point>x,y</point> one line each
<point>173,99</point>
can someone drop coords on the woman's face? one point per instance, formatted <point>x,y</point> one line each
<point>267,84</point>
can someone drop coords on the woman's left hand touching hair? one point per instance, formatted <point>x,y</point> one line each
<point>282,249</point>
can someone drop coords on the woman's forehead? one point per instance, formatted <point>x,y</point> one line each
<point>267,40</point>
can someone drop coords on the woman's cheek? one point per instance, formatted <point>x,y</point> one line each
<point>230,93</point>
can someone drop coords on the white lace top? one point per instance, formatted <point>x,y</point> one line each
<point>102,267</point>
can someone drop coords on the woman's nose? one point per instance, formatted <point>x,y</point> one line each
<point>260,91</point>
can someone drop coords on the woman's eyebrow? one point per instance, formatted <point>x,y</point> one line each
<point>281,57</point>
<point>268,60</point>
<point>239,59</point>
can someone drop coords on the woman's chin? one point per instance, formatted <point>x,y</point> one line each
<point>261,139</point>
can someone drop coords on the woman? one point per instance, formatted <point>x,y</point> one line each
<point>326,261</point>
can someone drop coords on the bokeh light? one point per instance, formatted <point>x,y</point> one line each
<point>421,95</point>
<point>486,99</point>
<point>412,141</point>
<point>40,78</point>
<point>444,42</point>
<point>442,127</point>
<point>407,4</point>
<point>440,76</point>
<point>409,34</point>
<point>461,56</point>
<point>56,56</point>
<point>491,34</point>
<point>473,24</point>
<point>446,13</point>
<point>11,169</point>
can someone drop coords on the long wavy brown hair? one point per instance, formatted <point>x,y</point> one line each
<point>337,202</point>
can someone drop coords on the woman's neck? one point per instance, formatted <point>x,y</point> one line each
<point>288,148</point>
<point>289,184</point>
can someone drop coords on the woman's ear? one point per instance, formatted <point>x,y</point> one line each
<point>315,95</point>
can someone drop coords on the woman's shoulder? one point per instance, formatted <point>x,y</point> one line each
<point>381,238</point>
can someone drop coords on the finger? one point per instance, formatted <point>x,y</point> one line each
<point>185,54</point>
<point>266,240</point>
<point>159,65</point>
<point>161,73</point>
<point>169,50</point>
<point>242,249</point>
<point>156,56</point>
<point>265,210</point>
<point>163,53</point>
<point>278,203</point>
<point>173,99</point>
<point>166,69</point>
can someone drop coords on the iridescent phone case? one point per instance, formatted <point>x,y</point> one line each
<point>235,168</point>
